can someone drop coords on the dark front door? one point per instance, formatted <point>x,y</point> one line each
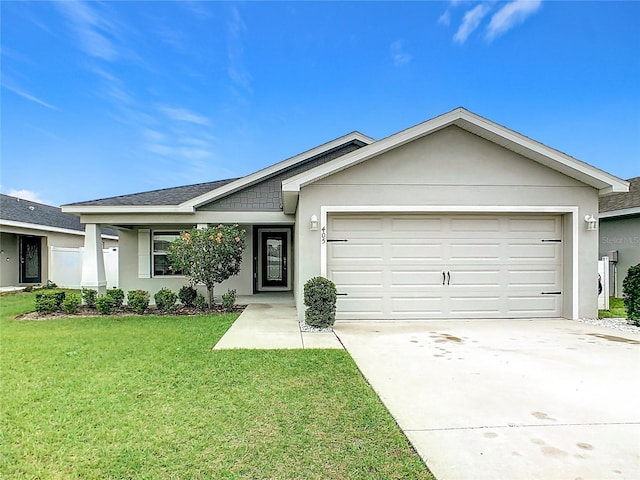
<point>274,259</point>
<point>30,259</point>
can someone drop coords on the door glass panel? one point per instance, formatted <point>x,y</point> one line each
<point>32,261</point>
<point>274,260</point>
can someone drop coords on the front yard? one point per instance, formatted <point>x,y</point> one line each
<point>146,397</point>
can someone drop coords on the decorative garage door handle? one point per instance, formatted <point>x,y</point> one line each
<point>550,293</point>
<point>446,278</point>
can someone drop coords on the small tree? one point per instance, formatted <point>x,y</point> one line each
<point>631,294</point>
<point>208,255</point>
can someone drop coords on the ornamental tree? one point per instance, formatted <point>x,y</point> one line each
<point>208,255</point>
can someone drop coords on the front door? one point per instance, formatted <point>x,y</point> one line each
<point>30,259</point>
<point>273,259</point>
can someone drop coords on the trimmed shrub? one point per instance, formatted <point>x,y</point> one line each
<point>89,297</point>
<point>320,298</point>
<point>165,300</point>
<point>187,295</point>
<point>200,302</point>
<point>631,294</point>
<point>117,295</point>
<point>229,300</point>
<point>71,304</point>
<point>59,296</point>
<point>47,302</point>
<point>104,305</point>
<point>138,301</point>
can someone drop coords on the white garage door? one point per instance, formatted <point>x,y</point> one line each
<point>454,266</point>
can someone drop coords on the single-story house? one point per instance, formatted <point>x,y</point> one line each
<point>457,217</point>
<point>620,233</point>
<point>29,233</point>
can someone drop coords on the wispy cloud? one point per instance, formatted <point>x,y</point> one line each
<point>238,74</point>
<point>94,31</point>
<point>28,96</point>
<point>184,115</point>
<point>398,54</point>
<point>26,195</point>
<point>512,14</point>
<point>445,18</point>
<point>470,22</point>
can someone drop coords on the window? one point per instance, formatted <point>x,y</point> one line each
<point>161,242</point>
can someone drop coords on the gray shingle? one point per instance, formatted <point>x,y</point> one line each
<point>621,201</point>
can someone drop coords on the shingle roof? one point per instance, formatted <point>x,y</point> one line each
<point>165,196</point>
<point>622,201</point>
<point>25,211</point>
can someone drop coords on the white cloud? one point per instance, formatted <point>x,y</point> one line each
<point>26,195</point>
<point>238,74</point>
<point>398,54</point>
<point>511,14</point>
<point>445,19</point>
<point>29,97</point>
<point>184,115</point>
<point>470,22</point>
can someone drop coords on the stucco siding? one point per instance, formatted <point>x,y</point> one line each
<point>621,234</point>
<point>128,268</point>
<point>456,169</point>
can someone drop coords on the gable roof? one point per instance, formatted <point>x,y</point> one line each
<point>187,198</point>
<point>475,124</point>
<point>620,204</point>
<point>25,213</point>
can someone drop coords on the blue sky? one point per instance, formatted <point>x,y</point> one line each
<point>108,98</point>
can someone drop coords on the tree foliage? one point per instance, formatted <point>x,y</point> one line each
<point>208,255</point>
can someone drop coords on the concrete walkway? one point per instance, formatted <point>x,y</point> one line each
<point>272,325</point>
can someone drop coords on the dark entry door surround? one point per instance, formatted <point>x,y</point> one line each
<point>30,259</point>
<point>271,247</point>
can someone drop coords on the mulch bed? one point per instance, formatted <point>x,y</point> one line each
<point>84,311</point>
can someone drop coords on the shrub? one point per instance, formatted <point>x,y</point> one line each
<point>28,288</point>
<point>50,285</point>
<point>229,300</point>
<point>71,304</point>
<point>117,295</point>
<point>165,300</point>
<point>59,296</point>
<point>200,302</point>
<point>320,298</point>
<point>631,294</point>
<point>47,302</point>
<point>89,297</point>
<point>104,305</point>
<point>138,300</point>
<point>187,295</point>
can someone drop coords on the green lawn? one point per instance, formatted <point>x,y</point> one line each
<point>146,397</point>
<point>616,309</point>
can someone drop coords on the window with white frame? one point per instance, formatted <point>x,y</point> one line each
<point>161,242</point>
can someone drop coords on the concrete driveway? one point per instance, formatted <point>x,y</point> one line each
<point>508,399</point>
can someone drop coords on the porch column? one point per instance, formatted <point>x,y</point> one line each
<point>93,275</point>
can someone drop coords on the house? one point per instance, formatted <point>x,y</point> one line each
<point>620,233</point>
<point>30,235</point>
<point>457,217</point>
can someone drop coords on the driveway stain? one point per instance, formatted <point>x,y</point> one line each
<point>584,446</point>
<point>445,337</point>
<point>543,416</point>
<point>613,338</point>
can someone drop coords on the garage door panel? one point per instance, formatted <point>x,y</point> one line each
<point>495,266</point>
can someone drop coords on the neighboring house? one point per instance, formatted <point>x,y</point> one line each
<point>29,234</point>
<point>457,217</point>
<point>620,232</point>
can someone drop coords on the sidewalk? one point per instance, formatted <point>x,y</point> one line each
<point>273,326</point>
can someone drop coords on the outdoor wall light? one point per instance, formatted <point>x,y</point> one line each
<point>592,223</point>
<point>313,223</point>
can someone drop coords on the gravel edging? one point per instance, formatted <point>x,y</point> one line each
<point>308,328</point>
<point>621,324</point>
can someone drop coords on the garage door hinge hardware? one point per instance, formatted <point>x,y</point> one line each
<point>550,293</point>
<point>331,240</point>
<point>553,240</point>
<point>342,294</point>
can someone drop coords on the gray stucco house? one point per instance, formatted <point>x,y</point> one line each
<point>620,232</point>
<point>28,231</point>
<point>457,217</point>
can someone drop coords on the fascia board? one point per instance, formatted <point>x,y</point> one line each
<point>116,209</point>
<point>46,228</point>
<point>623,212</point>
<point>273,169</point>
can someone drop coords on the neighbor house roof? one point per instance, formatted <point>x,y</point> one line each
<point>620,204</point>
<point>475,124</point>
<point>187,198</point>
<point>18,212</point>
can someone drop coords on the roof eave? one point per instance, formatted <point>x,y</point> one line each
<point>87,209</point>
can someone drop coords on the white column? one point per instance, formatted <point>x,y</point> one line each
<point>93,275</point>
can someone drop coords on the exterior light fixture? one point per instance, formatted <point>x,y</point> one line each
<point>592,223</point>
<point>313,223</point>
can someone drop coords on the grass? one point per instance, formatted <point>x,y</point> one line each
<point>147,398</point>
<point>616,309</point>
